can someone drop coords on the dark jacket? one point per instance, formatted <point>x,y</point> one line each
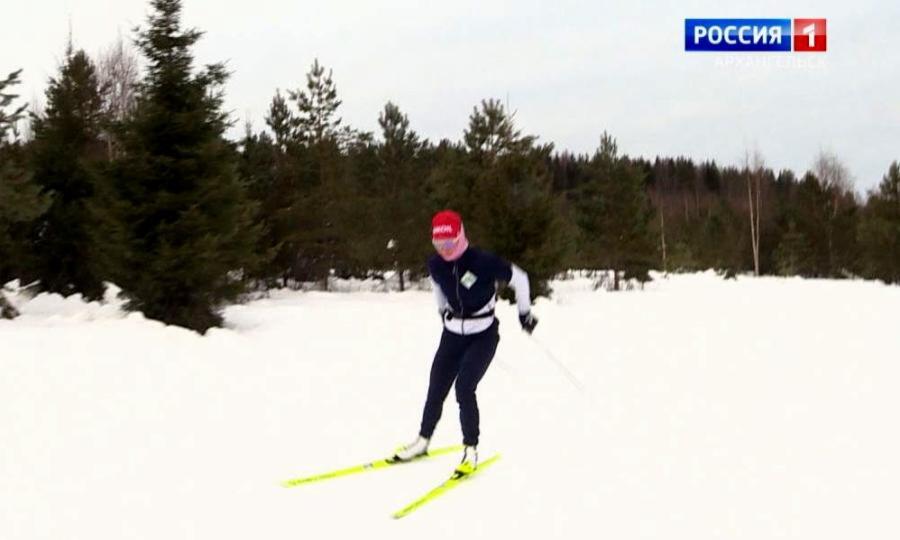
<point>469,283</point>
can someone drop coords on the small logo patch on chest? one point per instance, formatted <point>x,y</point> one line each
<point>468,280</point>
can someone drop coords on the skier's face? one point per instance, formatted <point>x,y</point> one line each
<point>446,247</point>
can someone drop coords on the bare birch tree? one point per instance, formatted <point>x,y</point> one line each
<point>754,170</point>
<point>834,176</point>
<point>118,73</point>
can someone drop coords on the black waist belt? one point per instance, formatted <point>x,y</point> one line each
<point>453,315</point>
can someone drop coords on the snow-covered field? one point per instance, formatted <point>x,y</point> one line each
<point>748,409</point>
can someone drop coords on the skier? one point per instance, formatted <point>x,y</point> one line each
<point>464,282</point>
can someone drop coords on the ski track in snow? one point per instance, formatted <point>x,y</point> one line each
<point>748,409</point>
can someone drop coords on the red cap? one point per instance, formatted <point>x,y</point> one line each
<point>445,225</point>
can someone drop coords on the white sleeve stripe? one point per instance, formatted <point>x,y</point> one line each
<point>519,282</point>
<point>439,296</point>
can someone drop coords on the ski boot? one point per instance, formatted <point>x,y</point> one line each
<point>469,462</point>
<point>411,451</point>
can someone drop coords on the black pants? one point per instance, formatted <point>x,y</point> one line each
<point>465,359</point>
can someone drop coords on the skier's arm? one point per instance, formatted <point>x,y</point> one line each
<point>519,283</point>
<point>442,303</point>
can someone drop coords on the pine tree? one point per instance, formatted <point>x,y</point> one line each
<point>271,168</point>
<point>9,118</point>
<point>317,105</point>
<point>879,230</point>
<point>361,248</point>
<point>323,221</point>
<point>402,216</point>
<point>451,176</point>
<point>259,168</point>
<point>20,199</point>
<point>282,123</point>
<point>66,151</point>
<point>184,219</point>
<point>514,212</point>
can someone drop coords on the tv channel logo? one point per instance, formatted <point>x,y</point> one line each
<point>755,35</point>
<point>810,35</point>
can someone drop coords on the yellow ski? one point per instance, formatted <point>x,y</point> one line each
<point>448,484</point>
<point>365,467</point>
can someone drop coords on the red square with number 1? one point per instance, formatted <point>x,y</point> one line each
<point>810,35</point>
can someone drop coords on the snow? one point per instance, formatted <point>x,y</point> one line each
<point>739,409</point>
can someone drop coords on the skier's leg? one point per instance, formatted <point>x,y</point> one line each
<point>475,362</point>
<point>443,372</point>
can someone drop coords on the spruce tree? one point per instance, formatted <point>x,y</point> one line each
<point>792,257</point>
<point>718,239</point>
<point>811,218</point>
<point>182,215</point>
<point>614,216</point>
<point>65,153</point>
<point>20,199</point>
<point>839,213</point>
<point>879,231</point>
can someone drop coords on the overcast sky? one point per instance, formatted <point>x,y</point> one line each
<point>569,69</point>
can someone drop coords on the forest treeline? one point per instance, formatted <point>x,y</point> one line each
<point>126,175</point>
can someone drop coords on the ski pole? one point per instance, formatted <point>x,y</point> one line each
<point>562,367</point>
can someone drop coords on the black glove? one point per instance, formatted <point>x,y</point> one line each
<point>528,322</point>
<point>447,314</point>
